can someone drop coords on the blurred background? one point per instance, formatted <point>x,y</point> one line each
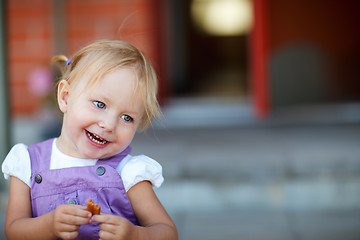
<point>261,101</point>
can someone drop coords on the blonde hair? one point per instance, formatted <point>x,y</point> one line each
<point>102,57</point>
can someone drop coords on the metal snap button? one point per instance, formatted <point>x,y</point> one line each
<point>100,171</point>
<point>71,201</point>
<point>38,178</point>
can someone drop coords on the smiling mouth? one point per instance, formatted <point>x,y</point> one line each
<point>95,138</point>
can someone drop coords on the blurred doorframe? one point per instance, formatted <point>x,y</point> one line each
<point>259,52</point>
<point>160,8</point>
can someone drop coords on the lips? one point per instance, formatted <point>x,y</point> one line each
<point>95,138</point>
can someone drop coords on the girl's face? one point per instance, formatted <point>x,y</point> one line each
<point>100,121</point>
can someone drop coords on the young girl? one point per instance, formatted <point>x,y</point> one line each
<point>106,94</point>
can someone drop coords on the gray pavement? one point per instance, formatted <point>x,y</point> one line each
<point>292,182</point>
<point>289,180</point>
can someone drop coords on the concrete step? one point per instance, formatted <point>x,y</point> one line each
<point>254,154</point>
<point>295,195</point>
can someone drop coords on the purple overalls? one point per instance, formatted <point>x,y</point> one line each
<point>101,183</point>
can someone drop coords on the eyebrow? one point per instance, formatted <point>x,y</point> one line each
<point>104,98</point>
<point>127,110</point>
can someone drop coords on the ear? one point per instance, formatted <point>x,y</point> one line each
<point>63,95</point>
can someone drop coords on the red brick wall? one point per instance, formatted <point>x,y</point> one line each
<point>128,20</point>
<point>29,46</point>
<point>31,36</point>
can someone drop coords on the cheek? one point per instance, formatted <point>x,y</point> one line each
<point>80,109</point>
<point>77,118</point>
<point>126,135</point>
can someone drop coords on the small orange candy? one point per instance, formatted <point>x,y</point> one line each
<point>92,207</point>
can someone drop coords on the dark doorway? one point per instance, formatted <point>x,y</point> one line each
<point>203,64</point>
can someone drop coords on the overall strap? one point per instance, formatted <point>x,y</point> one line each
<point>40,155</point>
<point>114,160</point>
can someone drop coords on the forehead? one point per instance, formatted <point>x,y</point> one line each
<point>90,79</point>
<point>124,77</point>
<point>93,66</point>
<point>120,84</point>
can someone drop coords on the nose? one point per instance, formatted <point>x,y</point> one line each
<point>108,123</point>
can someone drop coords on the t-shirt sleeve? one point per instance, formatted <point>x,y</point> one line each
<point>17,164</point>
<point>140,168</point>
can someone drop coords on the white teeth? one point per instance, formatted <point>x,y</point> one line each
<point>96,139</point>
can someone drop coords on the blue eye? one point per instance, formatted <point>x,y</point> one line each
<point>127,118</point>
<point>100,105</point>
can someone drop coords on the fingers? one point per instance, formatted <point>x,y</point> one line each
<point>102,218</point>
<point>68,235</point>
<point>107,227</point>
<point>74,209</point>
<point>108,219</point>
<point>73,214</point>
<point>68,231</point>
<point>104,235</point>
<point>113,227</point>
<point>73,219</point>
<point>68,218</point>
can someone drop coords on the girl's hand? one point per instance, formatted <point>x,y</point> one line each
<point>114,227</point>
<point>67,219</point>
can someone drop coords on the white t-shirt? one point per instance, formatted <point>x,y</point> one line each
<point>132,169</point>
